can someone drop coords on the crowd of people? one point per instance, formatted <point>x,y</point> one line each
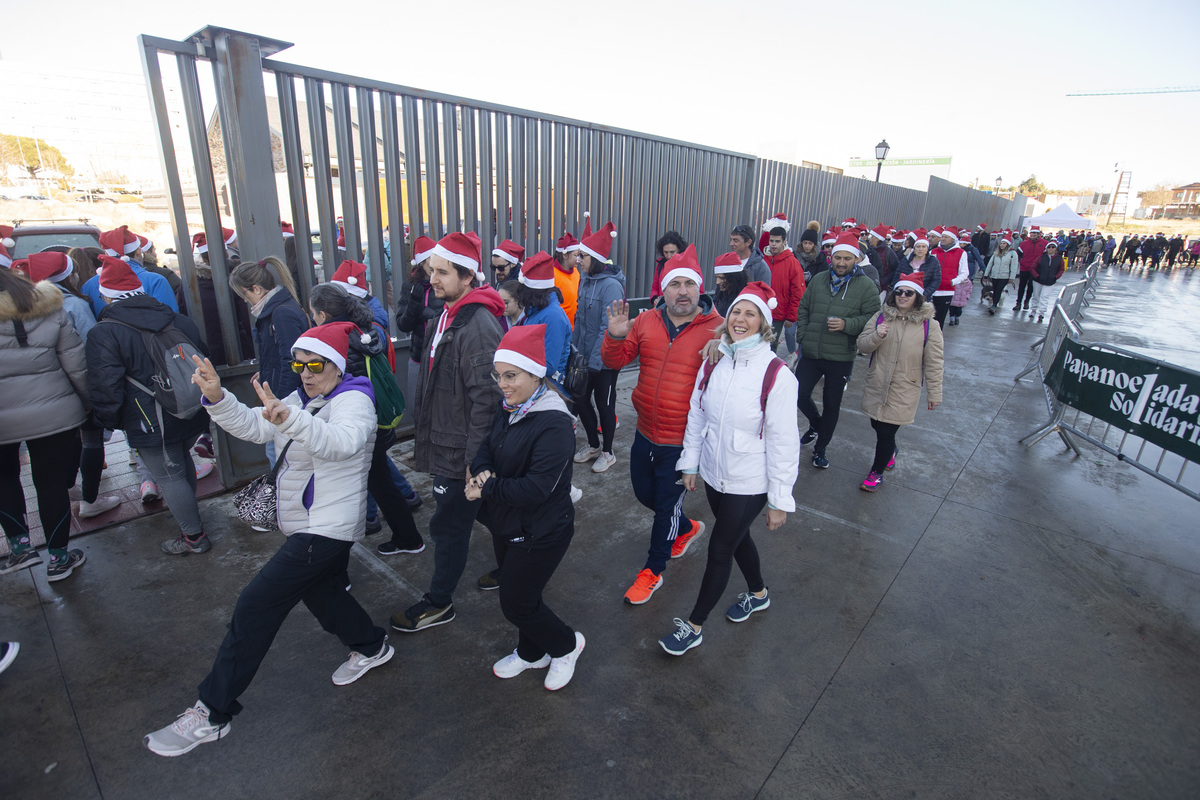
<point>510,371</point>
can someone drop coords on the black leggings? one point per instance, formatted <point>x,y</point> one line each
<point>729,541</point>
<point>1024,288</point>
<point>523,577</point>
<point>388,496</point>
<point>601,385</point>
<point>998,287</point>
<point>53,460</point>
<point>885,444</point>
<point>837,375</point>
<point>941,304</point>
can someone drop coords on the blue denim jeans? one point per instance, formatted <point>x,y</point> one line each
<point>658,486</point>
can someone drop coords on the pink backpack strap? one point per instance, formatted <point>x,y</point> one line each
<point>769,376</point>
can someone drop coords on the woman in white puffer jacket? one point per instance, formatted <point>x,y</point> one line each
<point>330,422</point>
<point>743,440</point>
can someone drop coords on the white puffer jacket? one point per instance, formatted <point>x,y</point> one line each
<point>722,438</point>
<point>323,482</point>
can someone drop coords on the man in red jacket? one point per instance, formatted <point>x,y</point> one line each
<point>668,341</point>
<point>787,279</point>
<point>1031,253</point>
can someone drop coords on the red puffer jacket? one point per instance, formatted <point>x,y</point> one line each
<point>668,369</point>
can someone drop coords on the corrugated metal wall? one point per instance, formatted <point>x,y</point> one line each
<point>948,203</point>
<point>805,194</point>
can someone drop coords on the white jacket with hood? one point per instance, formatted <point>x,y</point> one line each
<point>322,486</point>
<point>723,440</point>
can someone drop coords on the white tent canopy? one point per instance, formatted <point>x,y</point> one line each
<point>1061,217</point>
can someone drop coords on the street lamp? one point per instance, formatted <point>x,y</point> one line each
<point>881,151</point>
<point>997,186</point>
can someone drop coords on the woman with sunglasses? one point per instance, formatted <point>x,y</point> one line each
<point>328,427</point>
<point>906,353</point>
<point>523,475</point>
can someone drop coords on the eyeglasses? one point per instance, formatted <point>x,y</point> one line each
<point>507,377</point>
<point>905,293</point>
<point>315,367</point>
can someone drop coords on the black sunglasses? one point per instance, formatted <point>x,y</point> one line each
<point>905,293</point>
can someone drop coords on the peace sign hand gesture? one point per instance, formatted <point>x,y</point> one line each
<point>206,378</point>
<point>275,411</point>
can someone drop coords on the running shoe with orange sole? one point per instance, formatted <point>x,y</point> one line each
<point>684,541</point>
<point>646,584</point>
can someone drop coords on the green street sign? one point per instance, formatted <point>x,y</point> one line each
<point>900,162</point>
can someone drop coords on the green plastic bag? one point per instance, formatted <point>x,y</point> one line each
<point>389,400</point>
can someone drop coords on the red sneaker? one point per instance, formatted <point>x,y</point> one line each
<point>646,584</point>
<point>684,541</point>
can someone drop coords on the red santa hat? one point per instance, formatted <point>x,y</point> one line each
<point>144,242</point>
<point>913,280</point>
<point>981,227</point>
<point>881,232</point>
<point>229,235</point>
<point>831,237</point>
<point>780,220</point>
<point>331,341</point>
<point>921,235</point>
<point>950,231</point>
<point>422,249</point>
<point>897,237</point>
<point>566,244</point>
<point>587,225</point>
<point>120,242</point>
<point>5,259</point>
<point>538,271</point>
<point>847,242</point>
<point>525,347</point>
<point>352,276</point>
<point>200,243</point>
<point>762,296</point>
<point>6,232</point>
<point>849,222</point>
<point>510,251</point>
<point>117,279</point>
<point>1034,229</point>
<point>1007,239</point>
<point>599,244</point>
<point>457,248</point>
<point>964,235</point>
<point>50,266</point>
<point>287,229</point>
<point>728,262</point>
<point>682,265</point>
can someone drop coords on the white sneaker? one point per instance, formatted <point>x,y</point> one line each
<point>101,506</point>
<point>513,665</point>
<point>561,669</point>
<point>185,734</point>
<point>203,470</point>
<point>357,665</point>
<point>603,462</point>
<point>576,493</point>
<point>585,454</point>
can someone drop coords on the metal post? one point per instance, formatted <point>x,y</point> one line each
<point>347,179</point>
<point>318,130</point>
<point>293,152</point>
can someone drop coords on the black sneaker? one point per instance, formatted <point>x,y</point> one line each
<point>61,568</point>
<point>490,581</point>
<point>421,616</point>
<point>810,435</point>
<point>394,548</point>
<point>414,502</point>
<point>819,460</point>
<point>29,557</point>
<point>373,525</point>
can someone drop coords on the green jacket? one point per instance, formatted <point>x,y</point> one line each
<point>858,304</point>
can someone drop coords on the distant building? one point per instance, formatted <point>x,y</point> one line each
<point>1185,202</point>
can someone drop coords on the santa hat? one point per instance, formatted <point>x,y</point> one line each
<point>352,276</point>
<point>510,251</point>
<point>200,243</point>
<point>538,271</point>
<point>117,279</point>
<point>229,235</point>
<point>287,229</point>
<point>950,231</point>
<point>587,225</point>
<point>599,244</point>
<point>331,341</point>
<point>831,237</point>
<point>683,265</point>
<point>51,266</point>
<point>898,237</point>
<point>566,244</point>
<point>981,227</point>
<point>1007,239</point>
<point>849,222</point>
<point>119,242</point>
<point>780,220</point>
<point>921,235</point>
<point>6,232</point>
<point>422,249</point>
<point>1034,229</point>
<point>762,296</point>
<point>5,259</point>
<point>935,232</point>
<point>964,235</point>
<point>524,346</point>
<point>913,280</point>
<point>728,262</point>
<point>847,242</point>
<point>144,242</point>
<point>881,232</point>
<point>457,248</point>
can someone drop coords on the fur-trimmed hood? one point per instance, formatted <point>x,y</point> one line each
<point>893,314</point>
<point>48,300</point>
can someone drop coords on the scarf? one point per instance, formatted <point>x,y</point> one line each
<point>257,309</point>
<point>518,411</point>
<point>731,348</point>
<point>838,283</point>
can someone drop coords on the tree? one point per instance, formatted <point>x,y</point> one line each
<point>1157,197</point>
<point>1031,186</point>
<point>32,155</point>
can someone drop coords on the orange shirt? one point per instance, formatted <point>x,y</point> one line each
<point>568,284</point>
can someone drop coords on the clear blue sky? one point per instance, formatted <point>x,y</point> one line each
<point>984,83</point>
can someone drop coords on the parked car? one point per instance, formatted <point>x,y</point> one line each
<point>48,235</point>
<point>34,197</point>
<point>95,198</point>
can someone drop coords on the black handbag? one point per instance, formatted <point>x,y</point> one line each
<point>576,379</point>
<point>257,503</point>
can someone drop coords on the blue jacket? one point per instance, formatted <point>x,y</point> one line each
<point>558,337</point>
<point>275,331</point>
<point>155,285</point>
<point>377,309</point>
<point>596,294</point>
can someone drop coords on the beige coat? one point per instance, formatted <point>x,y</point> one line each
<point>899,362</point>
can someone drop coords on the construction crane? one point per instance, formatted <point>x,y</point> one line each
<point>1159,90</point>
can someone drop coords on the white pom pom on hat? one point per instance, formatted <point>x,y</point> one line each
<point>365,338</point>
<point>614,234</point>
<point>761,295</point>
<point>352,280</point>
<point>772,304</point>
